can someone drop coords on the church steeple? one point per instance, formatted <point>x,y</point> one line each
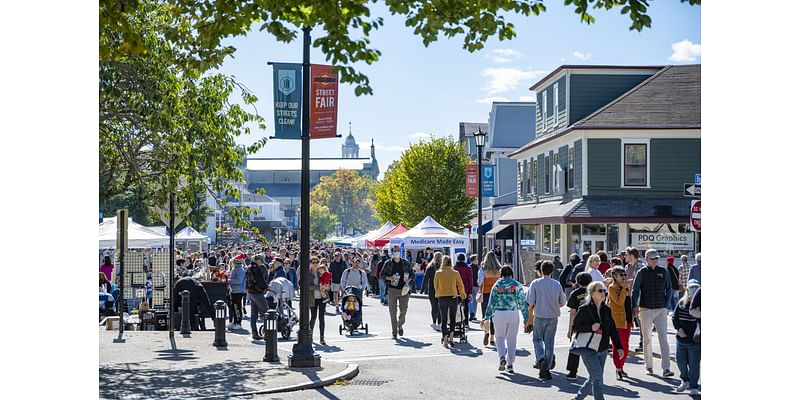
<point>372,149</point>
<point>350,148</point>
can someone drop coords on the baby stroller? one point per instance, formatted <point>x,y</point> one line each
<point>462,322</point>
<point>287,318</point>
<point>351,311</point>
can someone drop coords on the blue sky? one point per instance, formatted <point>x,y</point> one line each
<point>420,91</point>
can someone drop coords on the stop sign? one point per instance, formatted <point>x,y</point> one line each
<point>695,215</point>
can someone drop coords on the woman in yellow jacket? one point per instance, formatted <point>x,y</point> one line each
<point>449,286</point>
<point>619,300</point>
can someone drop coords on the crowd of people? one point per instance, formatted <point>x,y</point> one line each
<point>605,299</point>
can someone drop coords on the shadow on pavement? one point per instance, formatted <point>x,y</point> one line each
<point>652,386</point>
<point>411,343</point>
<point>327,348</point>
<point>326,393</point>
<point>175,354</point>
<point>132,381</point>
<point>563,384</point>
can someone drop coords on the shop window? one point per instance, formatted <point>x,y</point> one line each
<point>594,229</point>
<point>613,240</point>
<point>575,239</point>
<point>528,237</point>
<point>635,164</point>
<point>547,231</point>
<point>547,173</point>
<point>571,169</point>
<point>557,239</point>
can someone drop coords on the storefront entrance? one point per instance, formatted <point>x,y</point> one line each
<point>593,243</point>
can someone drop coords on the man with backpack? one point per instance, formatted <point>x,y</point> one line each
<point>256,285</point>
<point>355,276</point>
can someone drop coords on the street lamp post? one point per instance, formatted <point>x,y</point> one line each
<point>480,140</point>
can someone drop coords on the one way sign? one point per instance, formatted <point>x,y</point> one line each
<point>691,190</point>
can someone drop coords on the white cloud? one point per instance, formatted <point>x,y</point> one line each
<point>563,59</point>
<point>505,79</point>
<point>420,135</point>
<point>527,98</point>
<point>491,99</point>
<point>504,55</point>
<point>685,51</point>
<point>380,146</point>
<point>582,56</point>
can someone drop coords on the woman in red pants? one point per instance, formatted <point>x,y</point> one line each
<point>619,300</point>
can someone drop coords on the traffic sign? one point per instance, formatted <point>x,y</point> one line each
<point>694,217</point>
<point>697,179</point>
<point>691,190</point>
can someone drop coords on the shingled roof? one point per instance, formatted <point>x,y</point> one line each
<point>670,99</point>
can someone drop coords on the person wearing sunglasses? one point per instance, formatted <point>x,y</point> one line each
<point>619,300</point>
<point>595,316</point>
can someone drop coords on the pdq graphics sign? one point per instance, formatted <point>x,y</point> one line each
<point>663,241</point>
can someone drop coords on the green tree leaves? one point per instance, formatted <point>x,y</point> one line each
<point>429,179</point>
<point>322,221</point>
<point>196,27</point>
<point>164,126</point>
<point>348,197</point>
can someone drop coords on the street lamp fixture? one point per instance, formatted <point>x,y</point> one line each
<point>480,141</point>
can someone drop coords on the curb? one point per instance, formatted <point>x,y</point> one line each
<point>349,373</point>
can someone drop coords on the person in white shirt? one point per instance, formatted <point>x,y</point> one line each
<point>594,263</point>
<point>355,276</point>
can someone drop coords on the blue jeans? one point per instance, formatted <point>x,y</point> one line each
<point>473,304</point>
<point>544,337</point>
<point>382,288</point>
<point>594,363</point>
<point>688,358</point>
<point>673,301</point>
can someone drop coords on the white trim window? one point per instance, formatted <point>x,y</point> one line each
<point>555,104</point>
<point>556,174</point>
<point>571,169</point>
<point>544,110</point>
<point>520,181</point>
<point>534,176</point>
<point>547,173</point>
<point>636,163</point>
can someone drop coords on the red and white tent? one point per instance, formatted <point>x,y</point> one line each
<point>384,240</point>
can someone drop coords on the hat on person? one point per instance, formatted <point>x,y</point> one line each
<point>670,260</point>
<point>693,283</point>
<point>651,254</point>
<point>259,256</point>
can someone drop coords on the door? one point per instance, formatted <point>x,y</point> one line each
<point>593,243</point>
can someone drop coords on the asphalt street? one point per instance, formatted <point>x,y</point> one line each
<point>418,366</point>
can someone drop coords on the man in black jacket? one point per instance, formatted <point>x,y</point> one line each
<point>198,298</point>
<point>652,289</point>
<point>337,267</point>
<point>579,268</point>
<point>256,286</point>
<point>566,274</point>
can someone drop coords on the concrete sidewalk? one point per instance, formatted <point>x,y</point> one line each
<point>147,365</point>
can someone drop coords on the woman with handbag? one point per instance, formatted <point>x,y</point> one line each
<point>506,301</point>
<point>593,326</point>
<point>687,355</point>
<point>319,277</point>
<point>619,300</point>
<point>488,274</point>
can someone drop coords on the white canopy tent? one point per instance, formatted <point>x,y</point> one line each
<point>191,239</point>
<point>429,233</point>
<point>361,241</point>
<point>139,236</point>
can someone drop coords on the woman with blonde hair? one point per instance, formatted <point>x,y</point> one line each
<point>619,300</point>
<point>488,274</point>
<point>449,286</point>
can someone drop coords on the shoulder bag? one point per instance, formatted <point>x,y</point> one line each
<point>586,341</point>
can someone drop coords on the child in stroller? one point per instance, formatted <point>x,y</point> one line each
<point>462,322</point>
<point>351,315</point>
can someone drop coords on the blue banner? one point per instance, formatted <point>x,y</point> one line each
<point>288,92</point>
<point>487,181</point>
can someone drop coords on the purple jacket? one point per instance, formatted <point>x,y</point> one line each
<point>466,276</point>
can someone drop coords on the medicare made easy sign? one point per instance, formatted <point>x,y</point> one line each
<point>663,241</point>
<point>437,242</point>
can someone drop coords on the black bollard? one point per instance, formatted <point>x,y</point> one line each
<point>271,336</point>
<point>219,324</point>
<point>186,315</point>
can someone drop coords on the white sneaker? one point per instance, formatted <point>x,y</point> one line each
<point>236,326</point>
<point>683,386</point>
<point>694,392</point>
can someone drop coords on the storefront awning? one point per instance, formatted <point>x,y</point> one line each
<point>542,213</point>
<point>602,210</point>
<point>502,232</point>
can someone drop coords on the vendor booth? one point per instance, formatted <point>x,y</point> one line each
<point>429,233</point>
<point>191,240</point>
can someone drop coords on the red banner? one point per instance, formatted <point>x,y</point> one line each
<point>472,180</point>
<point>324,100</point>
